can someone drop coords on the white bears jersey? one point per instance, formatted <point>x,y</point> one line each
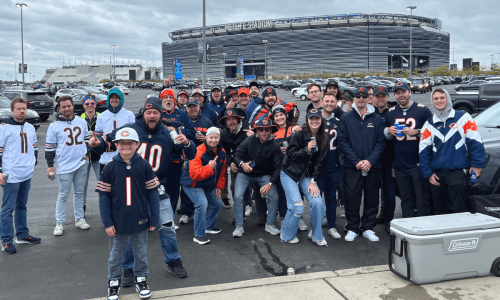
<point>68,139</point>
<point>107,122</point>
<point>18,144</point>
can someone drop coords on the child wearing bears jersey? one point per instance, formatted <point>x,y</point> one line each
<point>128,191</point>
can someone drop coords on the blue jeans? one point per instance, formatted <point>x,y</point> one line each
<point>203,199</point>
<point>117,246</point>
<point>241,184</point>
<point>77,178</point>
<point>187,206</point>
<point>95,165</point>
<point>328,183</point>
<point>295,212</point>
<point>168,237</point>
<point>15,197</point>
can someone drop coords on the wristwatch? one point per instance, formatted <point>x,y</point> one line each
<point>418,131</point>
<point>313,180</point>
<point>270,184</point>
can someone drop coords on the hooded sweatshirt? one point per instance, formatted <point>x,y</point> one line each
<point>209,113</point>
<point>450,142</point>
<point>217,107</point>
<point>111,119</point>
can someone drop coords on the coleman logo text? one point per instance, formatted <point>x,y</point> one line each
<point>465,244</point>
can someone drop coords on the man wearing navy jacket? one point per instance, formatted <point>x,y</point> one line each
<point>361,138</point>
<point>157,147</point>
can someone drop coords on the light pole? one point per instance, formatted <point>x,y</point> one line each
<point>224,66</point>
<point>110,66</point>
<point>265,59</point>
<point>392,69</point>
<point>21,5</point>
<point>114,62</point>
<point>204,71</point>
<point>411,8</point>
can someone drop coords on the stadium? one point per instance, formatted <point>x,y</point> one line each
<point>331,43</point>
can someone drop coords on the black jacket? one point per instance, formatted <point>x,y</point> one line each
<point>267,158</point>
<point>298,161</point>
<point>230,142</point>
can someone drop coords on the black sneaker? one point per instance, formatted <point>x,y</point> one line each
<point>214,230</point>
<point>9,248</point>
<point>201,240</point>
<point>141,285</point>
<point>175,267</point>
<point>29,240</point>
<point>113,290</point>
<point>127,277</point>
<point>226,203</point>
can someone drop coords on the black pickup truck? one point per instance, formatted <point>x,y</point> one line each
<point>488,94</point>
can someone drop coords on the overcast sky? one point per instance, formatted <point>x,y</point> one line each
<point>57,30</point>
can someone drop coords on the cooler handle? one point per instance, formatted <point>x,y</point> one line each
<point>403,251</point>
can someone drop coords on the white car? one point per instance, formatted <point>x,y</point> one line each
<point>302,92</point>
<point>295,90</point>
<point>74,93</point>
<point>124,90</point>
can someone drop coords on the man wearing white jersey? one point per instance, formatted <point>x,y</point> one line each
<point>114,117</point>
<point>65,142</point>
<point>18,157</point>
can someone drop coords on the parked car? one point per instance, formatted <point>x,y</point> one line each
<point>488,94</point>
<point>473,85</point>
<point>78,95</point>
<point>290,84</point>
<point>420,85</point>
<point>32,116</point>
<point>302,87</point>
<point>38,101</point>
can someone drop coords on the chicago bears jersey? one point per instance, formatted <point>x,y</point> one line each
<point>331,162</point>
<point>18,151</point>
<point>107,122</point>
<point>406,147</point>
<point>67,138</point>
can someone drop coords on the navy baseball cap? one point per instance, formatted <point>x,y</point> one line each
<point>313,112</point>
<point>192,101</point>
<point>381,90</point>
<point>401,85</point>
<point>264,123</point>
<point>361,89</point>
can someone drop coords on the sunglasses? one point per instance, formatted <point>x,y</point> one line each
<point>89,103</point>
<point>364,96</point>
<point>264,129</point>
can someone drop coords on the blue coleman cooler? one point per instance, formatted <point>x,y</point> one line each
<point>445,247</point>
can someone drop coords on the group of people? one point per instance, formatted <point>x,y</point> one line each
<point>184,145</point>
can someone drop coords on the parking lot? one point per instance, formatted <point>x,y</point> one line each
<point>74,265</point>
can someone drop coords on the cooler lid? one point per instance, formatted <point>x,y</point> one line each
<point>445,223</point>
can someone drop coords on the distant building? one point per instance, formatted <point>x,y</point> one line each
<point>94,73</point>
<point>331,43</point>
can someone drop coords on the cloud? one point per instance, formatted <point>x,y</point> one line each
<point>57,31</point>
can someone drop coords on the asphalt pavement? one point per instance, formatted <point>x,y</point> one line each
<point>74,265</point>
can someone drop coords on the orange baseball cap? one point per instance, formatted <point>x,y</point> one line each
<point>243,90</point>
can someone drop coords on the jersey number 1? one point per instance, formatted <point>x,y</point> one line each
<point>129,191</point>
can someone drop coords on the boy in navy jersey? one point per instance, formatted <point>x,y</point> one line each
<point>412,185</point>
<point>128,191</point>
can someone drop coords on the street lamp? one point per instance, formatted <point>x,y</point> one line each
<point>453,61</point>
<point>21,5</point>
<point>110,66</point>
<point>224,67</point>
<point>265,59</point>
<point>411,8</point>
<point>114,62</point>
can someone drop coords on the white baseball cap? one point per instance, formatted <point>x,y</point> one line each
<point>126,134</point>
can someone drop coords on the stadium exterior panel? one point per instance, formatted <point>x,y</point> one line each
<point>340,43</point>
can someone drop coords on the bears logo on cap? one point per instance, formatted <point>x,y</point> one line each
<point>399,84</point>
<point>229,112</point>
<point>125,133</point>
<point>314,110</point>
<point>380,88</point>
<point>264,122</point>
<point>269,90</point>
<point>149,105</point>
<point>361,89</point>
<point>191,100</point>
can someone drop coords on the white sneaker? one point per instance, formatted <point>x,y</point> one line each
<point>325,222</point>
<point>302,225</point>
<point>238,231</point>
<point>185,219</point>
<point>248,210</point>
<point>82,224</point>
<point>370,235</point>
<point>295,240</point>
<point>342,211</point>
<point>320,243</point>
<point>59,229</point>
<point>350,236</point>
<point>310,235</point>
<point>334,234</point>
<point>176,227</point>
<point>272,229</point>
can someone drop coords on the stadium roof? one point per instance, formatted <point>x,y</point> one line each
<point>297,23</point>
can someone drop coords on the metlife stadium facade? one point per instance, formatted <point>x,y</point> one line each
<point>331,43</point>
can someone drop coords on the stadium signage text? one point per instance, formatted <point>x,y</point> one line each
<point>249,25</point>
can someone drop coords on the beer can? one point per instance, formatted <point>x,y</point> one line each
<point>364,173</point>
<point>173,135</point>
<point>285,144</point>
<point>198,132</point>
<point>291,271</point>
<point>5,177</point>
<point>52,176</point>
<point>315,149</point>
